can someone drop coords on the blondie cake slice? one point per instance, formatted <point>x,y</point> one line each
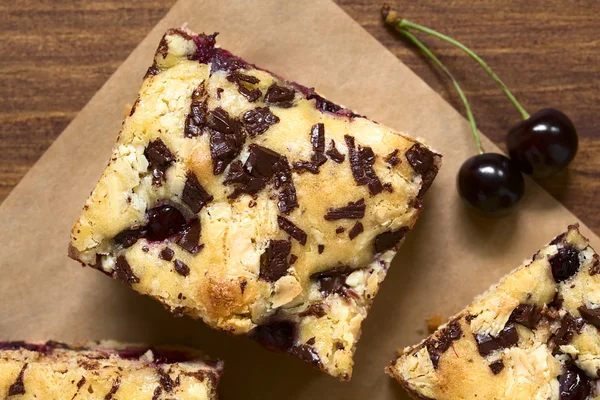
<point>105,370</point>
<point>253,203</point>
<point>533,336</point>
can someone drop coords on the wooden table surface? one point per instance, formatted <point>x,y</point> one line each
<point>56,54</point>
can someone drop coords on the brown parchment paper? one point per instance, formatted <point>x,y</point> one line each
<point>449,257</point>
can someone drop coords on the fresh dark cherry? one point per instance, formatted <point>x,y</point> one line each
<point>164,221</point>
<point>491,184</point>
<point>574,385</point>
<point>544,143</point>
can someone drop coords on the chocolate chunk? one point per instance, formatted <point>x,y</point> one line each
<point>151,71</point>
<point>559,239</point>
<point>333,153</point>
<point>287,199</point>
<point>565,263</point>
<point>250,94</point>
<point>129,237</point>
<point>574,384</point>
<point>497,367</point>
<point>195,121</point>
<point>280,96</point>
<point>222,60</point>
<point>159,159</point>
<point>353,210</point>
<point>190,238</point>
<point>527,315</point>
<point>591,315</point>
<point>226,140</point>
<point>306,353</point>
<point>388,186</point>
<point>317,137</point>
<point>339,346</point>
<point>261,161</point>
<point>291,229</point>
<point>361,164</point>
<point>321,248</point>
<point>305,166</point>
<point>163,221</point>
<point>422,161</point>
<point>438,346</point>
<point>324,105</point>
<point>165,381</point>
<point>181,268</point>
<point>273,262</point>
<point>258,120</point>
<point>237,76</point>
<point>311,341</point>
<point>356,230</point>
<point>293,259</point>
<point>333,281</point>
<point>166,254</point>
<point>275,335</point>
<point>113,389</point>
<point>568,326</point>
<point>339,229</point>
<point>157,393</point>
<point>368,159</point>
<point>124,272</point>
<point>194,195</point>
<point>219,91</point>
<point>392,158</point>
<point>18,387</point>
<point>81,382</point>
<point>388,240</point>
<point>595,267</point>
<point>243,285</point>
<point>508,337</point>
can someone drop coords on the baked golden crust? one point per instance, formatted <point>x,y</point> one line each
<point>104,370</point>
<point>280,202</point>
<point>532,336</point>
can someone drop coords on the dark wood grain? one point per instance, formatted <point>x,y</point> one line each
<point>56,55</point>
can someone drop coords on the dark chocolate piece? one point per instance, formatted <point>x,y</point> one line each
<point>250,94</point>
<point>219,91</point>
<point>18,387</point>
<point>293,259</point>
<point>190,238</point>
<point>306,353</point>
<point>291,229</point>
<point>497,367</point>
<point>129,237</point>
<point>124,273</point>
<point>81,382</point>
<point>333,281</point>
<point>275,335</point>
<point>353,210</point>
<point>568,326</point>
<point>165,381</point>
<point>311,341</point>
<point>392,158</point>
<point>508,337</point>
<point>574,384</point>
<point>159,159</point>
<point>166,254</point>
<point>565,263</point>
<point>195,122</point>
<point>305,166</point>
<point>339,229</point>
<point>237,76</point>
<point>333,153</point>
<point>324,105</point>
<point>437,347</point>
<point>591,315</point>
<point>280,96</point>
<point>226,139</point>
<point>113,389</point>
<point>388,240</point>
<point>356,230</point>
<point>163,222</point>
<point>258,120</point>
<point>361,164</point>
<point>181,268</point>
<point>157,393</point>
<point>321,248</point>
<point>194,194</point>
<point>527,315</point>
<point>317,137</point>
<point>421,159</point>
<point>274,262</point>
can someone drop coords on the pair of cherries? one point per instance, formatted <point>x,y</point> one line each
<point>541,145</point>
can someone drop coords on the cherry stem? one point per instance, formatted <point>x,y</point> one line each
<point>460,92</point>
<point>400,23</point>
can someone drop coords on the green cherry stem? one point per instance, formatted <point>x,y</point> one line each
<point>392,18</point>
<point>460,92</point>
